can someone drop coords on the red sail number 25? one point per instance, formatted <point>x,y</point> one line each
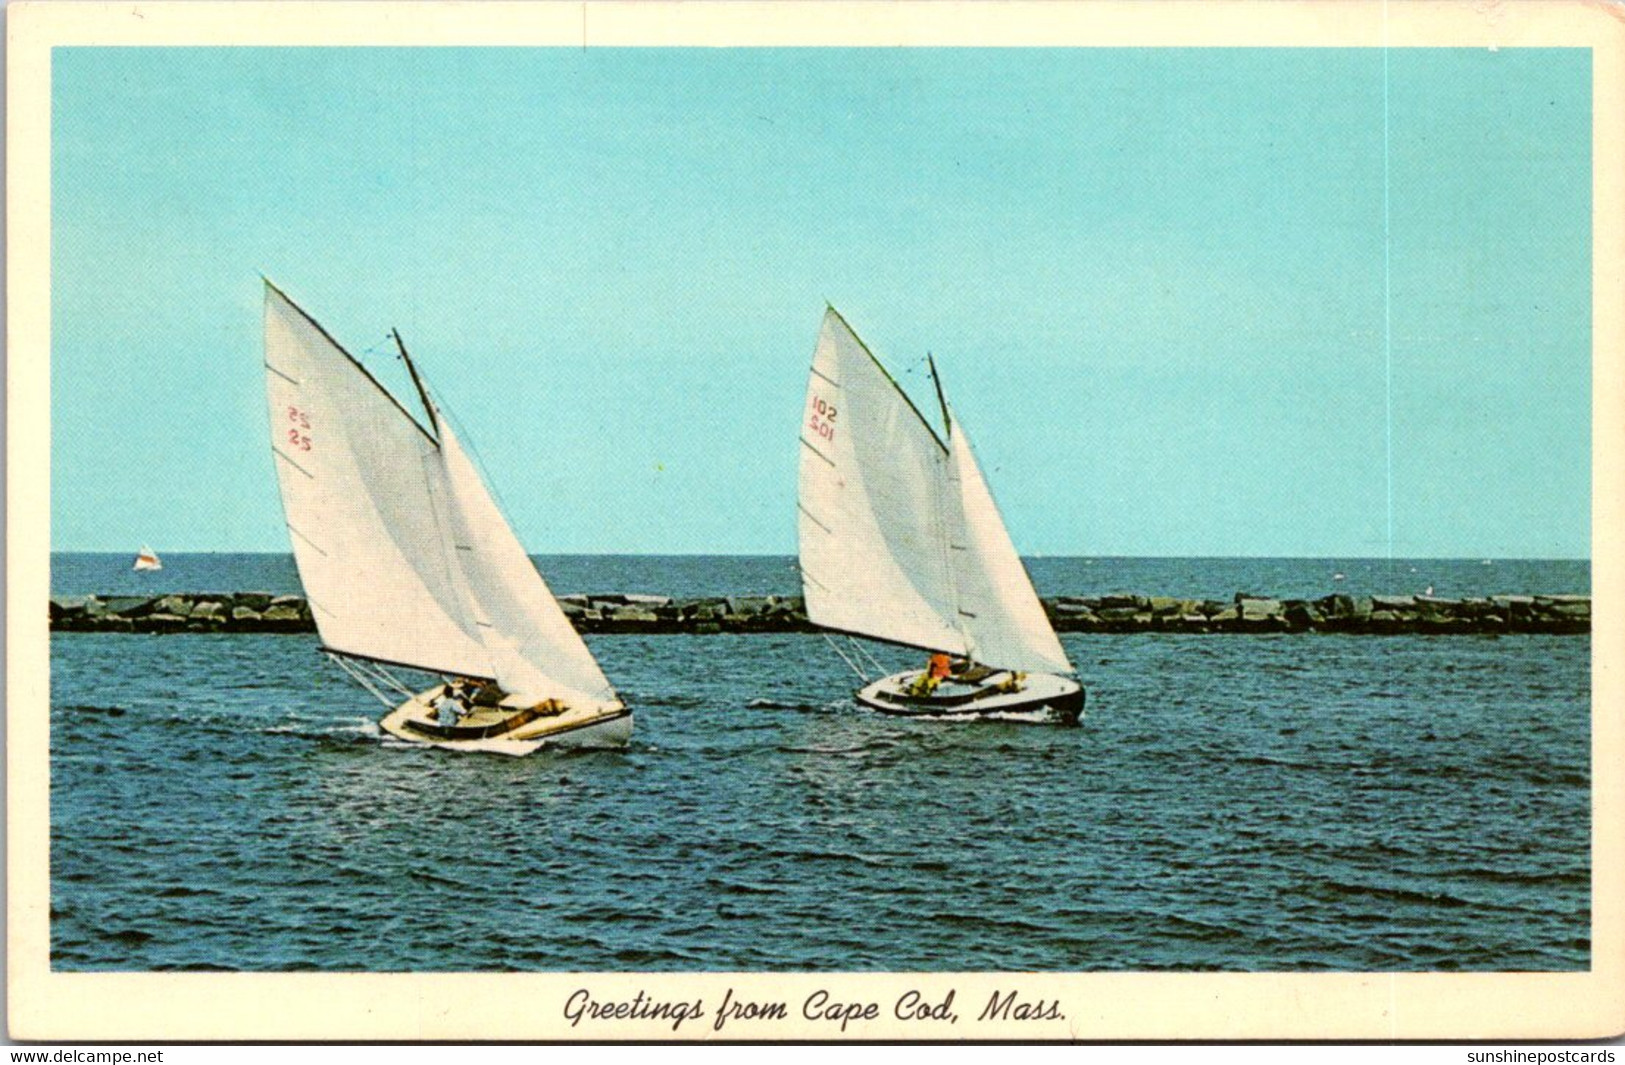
<point>298,432</point>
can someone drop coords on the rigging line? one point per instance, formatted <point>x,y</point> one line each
<point>927,648</point>
<point>373,349</point>
<point>385,677</point>
<point>862,676</point>
<point>825,378</point>
<point>362,679</point>
<point>466,439</point>
<point>863,653</point>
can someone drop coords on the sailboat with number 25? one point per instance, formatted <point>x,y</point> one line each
<point>408,563</point>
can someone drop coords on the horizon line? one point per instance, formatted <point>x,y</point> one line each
<point>791,555</point>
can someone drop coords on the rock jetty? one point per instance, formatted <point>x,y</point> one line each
<point>263,612</point>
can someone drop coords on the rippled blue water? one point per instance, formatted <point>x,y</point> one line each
<point>1292,802</point>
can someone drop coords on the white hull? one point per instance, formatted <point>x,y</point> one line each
<point>415,721</point>
<point>1061,698</point>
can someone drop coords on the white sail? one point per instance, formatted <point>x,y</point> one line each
<point>535,651</point>
<point>873,499</point>
<point>999,609</point>
<point>364,492</point>
<point>147,559</point>
<point>900,537</point>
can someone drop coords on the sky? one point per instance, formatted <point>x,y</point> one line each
<point>1287,302</point>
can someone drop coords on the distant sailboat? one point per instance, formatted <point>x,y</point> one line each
<point>901,542</point>
<point>146,560</point>
<point>407,561</point>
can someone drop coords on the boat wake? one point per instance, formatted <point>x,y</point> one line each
<point>775,704</point>
<point>1041,715</point>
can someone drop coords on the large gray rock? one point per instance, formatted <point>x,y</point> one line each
<point>744,605</point>
<point>255,601</point>
<point>632,599</point>
<point>1301,614</point>
<point>70,606</point>
<point>1393,602</point>
<point>706,609</point>
<point>123,605</point>
<point>177,605</point>
<point>1260,609</point>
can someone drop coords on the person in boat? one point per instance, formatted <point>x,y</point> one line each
<point>940,667</point>
<point>455,703</point>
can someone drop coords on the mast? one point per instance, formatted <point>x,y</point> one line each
<point>951,509</point>
<point>887,373</point>
<point>340,348</point>
<point>423,393</point>
<point>947,421</point>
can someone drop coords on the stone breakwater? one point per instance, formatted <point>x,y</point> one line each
<point>262,612</point>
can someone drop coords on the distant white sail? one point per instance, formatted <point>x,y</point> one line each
<point>873,486</point>
<point>535,651</point>
<point>999,609</point>
<point>147,559</point>
<point>900,537</point>
<point>364,492</point>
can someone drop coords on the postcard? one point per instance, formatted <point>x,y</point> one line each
<point>814,521</point>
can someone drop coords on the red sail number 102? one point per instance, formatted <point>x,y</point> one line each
<point>822,421</point>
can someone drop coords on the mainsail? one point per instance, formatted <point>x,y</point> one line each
<point>900,539</point>
<point>872,488</point>
<point>404,556</point>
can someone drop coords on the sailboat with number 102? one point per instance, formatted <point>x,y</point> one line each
<point>408,563</point>
<point>901,542</point>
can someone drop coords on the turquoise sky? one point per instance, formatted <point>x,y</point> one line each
<point>1154,282</point>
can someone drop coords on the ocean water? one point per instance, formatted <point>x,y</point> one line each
<point>692,576</point>
<point>1238,803</point>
